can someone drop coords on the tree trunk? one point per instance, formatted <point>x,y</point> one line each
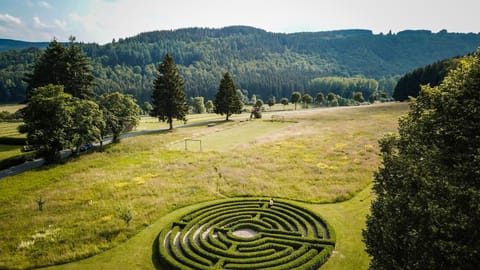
<point>170,122</point>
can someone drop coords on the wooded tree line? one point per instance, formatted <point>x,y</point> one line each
<point>262,63</point>
<point>409,85</point>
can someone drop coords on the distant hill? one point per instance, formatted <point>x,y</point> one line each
<point>10,44</point>
<point>262,63</point>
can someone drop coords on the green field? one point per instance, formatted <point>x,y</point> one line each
<point>316,156</point>
<point>10,130</point>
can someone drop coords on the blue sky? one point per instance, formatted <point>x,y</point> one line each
<point>102,20</point>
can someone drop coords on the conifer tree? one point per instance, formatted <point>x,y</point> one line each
<point>63,66</point>
<point>78,78</point>
<point>49,68</point>
<point>226,100</point>
<point>168,96</point>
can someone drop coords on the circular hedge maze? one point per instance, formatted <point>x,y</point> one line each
<point>246,234</point>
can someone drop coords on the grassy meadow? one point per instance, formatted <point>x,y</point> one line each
<point>322,158</point>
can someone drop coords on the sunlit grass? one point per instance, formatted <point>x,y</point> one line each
<point>321,156</point>
<point>10,129</point>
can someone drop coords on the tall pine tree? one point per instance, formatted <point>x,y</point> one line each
<point>49,68</point>
<point>78,78</point>
<point>63,66</point>
<point>168,96</point>
<point>427,207</point>
<point>226,100</point>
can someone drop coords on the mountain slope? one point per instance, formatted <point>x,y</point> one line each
<point>262,63</point>
<point>10,44</point>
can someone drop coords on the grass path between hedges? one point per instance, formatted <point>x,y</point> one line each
<point>348,219</point>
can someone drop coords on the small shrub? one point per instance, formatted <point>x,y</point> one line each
<point>125,213</point>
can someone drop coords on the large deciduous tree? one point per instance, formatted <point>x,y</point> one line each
<point>427,207</point>
<point>120,112</point>
<point>87,123</point>
<point>54,120</point>
<point>168,96</point>
<point>48,120</point>
<point>226,100</point>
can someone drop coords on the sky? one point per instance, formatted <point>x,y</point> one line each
<point>101,21</point>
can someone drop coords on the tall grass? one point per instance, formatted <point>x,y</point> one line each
<point>321,156</point>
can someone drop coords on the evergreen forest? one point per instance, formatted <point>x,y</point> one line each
<point>262,63</point>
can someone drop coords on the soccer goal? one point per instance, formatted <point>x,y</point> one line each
<point>194,142</point>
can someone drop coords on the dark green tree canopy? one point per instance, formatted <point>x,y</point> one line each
<point>48,120</point>
<point>78,79</point>
<point>168,96</point>
<point>226,100</point>
<point>409,85</point>
<point>63,66</point>
<point>49,68</point>
<point>427,209</point>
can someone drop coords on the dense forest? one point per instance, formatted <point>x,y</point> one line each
<point>409,85</point>
<point>262,63</point>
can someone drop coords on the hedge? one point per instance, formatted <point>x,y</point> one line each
<point>288,237</point>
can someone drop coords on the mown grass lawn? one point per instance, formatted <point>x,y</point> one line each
<point>318,156</point>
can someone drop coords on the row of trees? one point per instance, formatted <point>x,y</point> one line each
<point>169,98</point>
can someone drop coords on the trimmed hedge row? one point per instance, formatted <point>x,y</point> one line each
<point>287,237</point>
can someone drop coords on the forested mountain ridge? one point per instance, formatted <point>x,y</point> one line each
<point>10,44</point>
<point>262,63</point>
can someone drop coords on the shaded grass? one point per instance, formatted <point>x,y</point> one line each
<point>327,156</point>
<point>7,151</point>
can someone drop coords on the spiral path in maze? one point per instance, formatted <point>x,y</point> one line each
<point>246,234</point>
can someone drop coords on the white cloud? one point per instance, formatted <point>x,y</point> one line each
<point>60,24</point>
<point>37,23</point>
<point>44,4</point>
<point>8,19</point>
<point>74,17</point>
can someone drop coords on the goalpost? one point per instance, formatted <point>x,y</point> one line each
<point>193,140</point>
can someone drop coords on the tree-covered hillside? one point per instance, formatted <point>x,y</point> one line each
<point>262,63</point>
<point>409,85</point>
